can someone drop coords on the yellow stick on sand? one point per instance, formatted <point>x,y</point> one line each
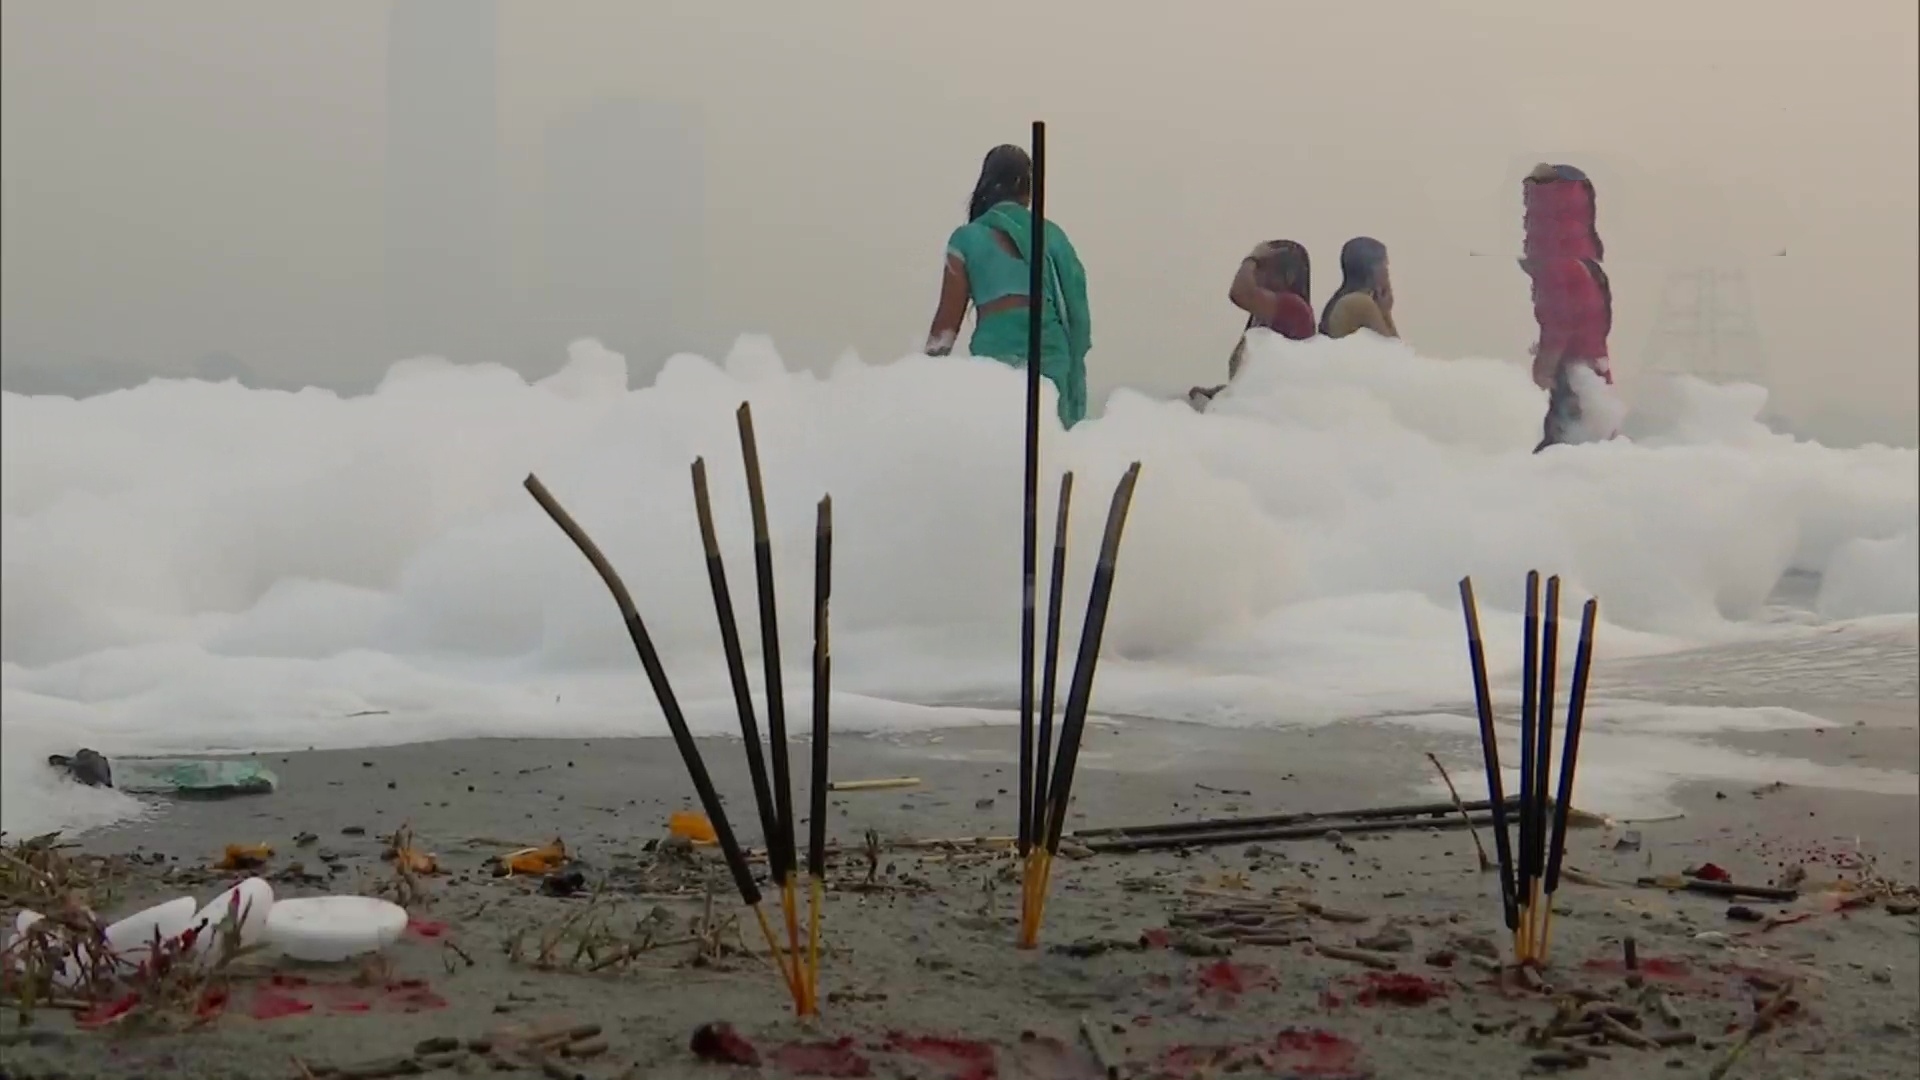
<point>775,954</point>
<point>1031,886</point>
<point>881,784</point>
<point>790,906</point>
<point>1546,931</point>
<point>816,901</point>
<point>1042,871</point>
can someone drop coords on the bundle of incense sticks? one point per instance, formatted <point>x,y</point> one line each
<point>1052,793</point>
<point>797,963</point>
<point>773,788</point>
<point>1530,871</point>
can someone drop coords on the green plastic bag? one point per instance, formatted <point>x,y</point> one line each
<point>189,778</point>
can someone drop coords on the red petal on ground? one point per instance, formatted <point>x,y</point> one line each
<point>426,928</point>
<point>111,1011</point>
<point>1397,987</point>
<point>837,1058</point>
<point>269,1004</point>
<point>962,1059</point>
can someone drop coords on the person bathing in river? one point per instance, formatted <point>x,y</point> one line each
<point>1364,300</point>
<point>1572,298</point>
<point>987,266</point>
<point>1274,286</point>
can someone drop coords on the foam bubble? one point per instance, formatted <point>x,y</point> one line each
<point>190,565</point>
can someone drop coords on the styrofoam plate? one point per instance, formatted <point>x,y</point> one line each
<point>327,929</point>
<point>251,901</point>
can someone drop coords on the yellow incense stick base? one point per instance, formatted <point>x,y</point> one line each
<point>790,907</point>
<point>816,900</point>
<point>1033,897</point>
<point>777,956</point>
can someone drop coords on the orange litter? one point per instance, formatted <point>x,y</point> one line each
<point>692,825</point>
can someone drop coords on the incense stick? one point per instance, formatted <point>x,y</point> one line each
<point>817,791</point>
<point>1050,660</point>
<point>1049,677</point>
<point>780,847</point>
<point>1490,751</point>
<point>1529,718</point>
<point>736,666</point>
<point>1569,758</point>
<point>1030,489</point>
<point>669,703</point>
<point>1543,752</point>
<point>1079,697</point>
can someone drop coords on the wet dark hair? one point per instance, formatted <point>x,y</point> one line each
<point>1360,261</point>
<point>1285,267</point>
<point>1006,175</point>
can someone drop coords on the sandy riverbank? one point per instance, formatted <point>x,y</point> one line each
<point>929,951</point>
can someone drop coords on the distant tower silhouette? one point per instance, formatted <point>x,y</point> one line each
<point>1706,329</point>
<point>622,229</point>
<point>443,291</point>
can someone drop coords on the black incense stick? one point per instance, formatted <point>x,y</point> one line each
<point>736,661</point>
<point>1073,721</point>
<point>1543,725</point>
<point>1570,749</point>
<point>1490,751</point>
<point>1050,661</point>
<point>1529,703</point>
<point>662,689</point>
<point>780,848</point>
<point>1030,491</point>
<point>817,791</point>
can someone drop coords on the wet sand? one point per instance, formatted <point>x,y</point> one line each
<point>928,948</point>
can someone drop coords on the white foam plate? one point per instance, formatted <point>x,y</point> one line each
<point>131,939</point>
<point>251,901</point>
<point>328,929</point>
<point>20,924</point>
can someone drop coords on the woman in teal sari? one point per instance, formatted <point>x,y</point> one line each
<point>987,267</point>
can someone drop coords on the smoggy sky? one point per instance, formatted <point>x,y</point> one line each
<point>209,176</point>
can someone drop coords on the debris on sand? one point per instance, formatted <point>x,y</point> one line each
<point>718,1042</point>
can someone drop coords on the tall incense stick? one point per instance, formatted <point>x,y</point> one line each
<point>1569,759</point>
<point>1529,705</point>
<point>1490,752</point>
<point>817,792</point>
<point>780,854</point>
<point>1030,490</point>
<point>1050,659</point>
<point>736,666</point>
<point>1543,750</point>
<point>1073,721</point>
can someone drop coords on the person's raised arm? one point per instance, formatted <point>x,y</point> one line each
<point>1246,294</point>
<point>952,309</point>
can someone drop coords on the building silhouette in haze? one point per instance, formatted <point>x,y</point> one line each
<point>442,287</point>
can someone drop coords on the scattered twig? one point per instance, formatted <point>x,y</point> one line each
<point>1359,956</point>
<point>882,784</point>
<point>1102,1054</point>
<point>1674,883</point>
<point>1485,863</point>
<point>1761,1022</point>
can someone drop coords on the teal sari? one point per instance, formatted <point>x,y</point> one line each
<point>1066,330</point>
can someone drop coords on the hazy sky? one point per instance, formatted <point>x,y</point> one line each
<point>210,175</point>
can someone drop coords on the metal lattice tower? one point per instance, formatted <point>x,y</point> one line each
<point>1706,329</point>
